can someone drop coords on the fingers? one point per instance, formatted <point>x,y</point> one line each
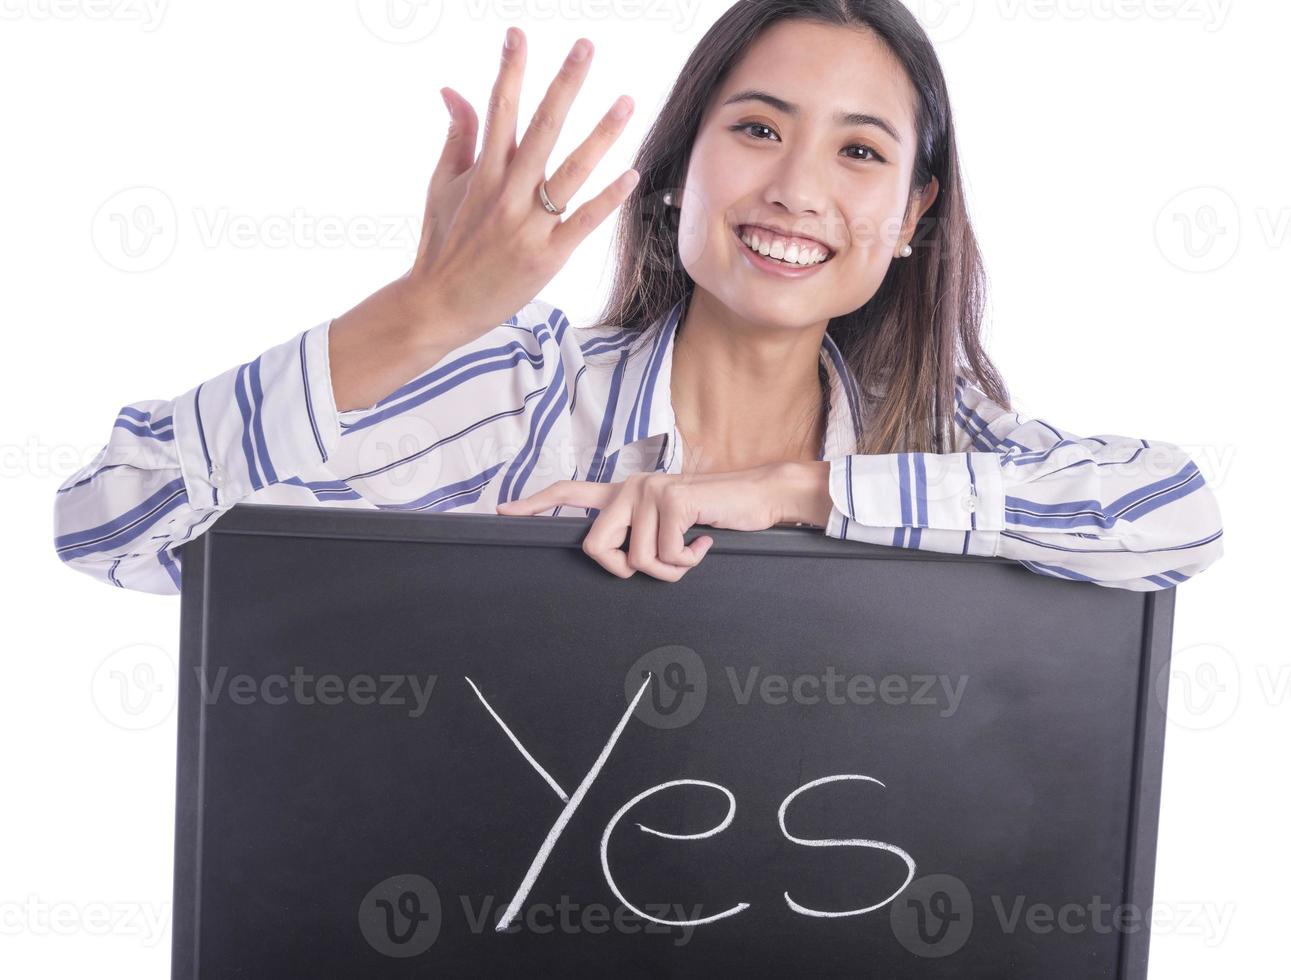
<point>636,510</point>
<point>603,541</point>
<point>565,181</point>
<point>670,539</point>
<point>500,120</point>
<point>569,234</point>
<point>575,493</point>
<point>604,545</point>
<point>459,145</point>
<point>455,159</point>
<point>548,119</point>
<point>657,525</point>
<point>643,536</point>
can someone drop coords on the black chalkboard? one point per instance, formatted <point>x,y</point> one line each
<point>983,742</point>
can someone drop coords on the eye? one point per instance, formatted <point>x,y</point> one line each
<point>873,153</point>
<point>742,127</point>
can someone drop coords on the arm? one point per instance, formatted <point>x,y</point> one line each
<point>268,432</point>
<point>1116,511</point>
<point>170,467</point>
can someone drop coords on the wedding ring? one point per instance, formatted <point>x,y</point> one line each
<point>546,201</point>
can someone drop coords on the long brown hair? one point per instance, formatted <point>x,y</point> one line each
<point>922,326</point>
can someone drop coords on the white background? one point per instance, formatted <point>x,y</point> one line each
<point>1127,170</point>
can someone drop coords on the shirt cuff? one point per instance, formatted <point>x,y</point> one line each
<point>259,423</point>
<point>945,491</point>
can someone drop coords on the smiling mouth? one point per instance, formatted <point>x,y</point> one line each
<point>791,258</point>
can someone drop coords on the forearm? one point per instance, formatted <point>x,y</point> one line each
<point>807,498</point>
<point>383,343</point>
<point>172,466</point>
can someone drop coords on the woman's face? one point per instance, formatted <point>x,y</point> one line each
<point>782,158</point>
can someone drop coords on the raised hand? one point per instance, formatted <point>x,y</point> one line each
<point>488,246</point>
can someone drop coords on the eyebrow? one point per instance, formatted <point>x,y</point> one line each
<point>789,109</point>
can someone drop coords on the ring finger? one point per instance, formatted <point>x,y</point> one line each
<point>566,180</point>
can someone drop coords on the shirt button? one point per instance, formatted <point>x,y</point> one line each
<point>970,503</point>
<point>217,477</point>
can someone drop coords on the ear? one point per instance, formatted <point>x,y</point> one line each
<point>919,206</point>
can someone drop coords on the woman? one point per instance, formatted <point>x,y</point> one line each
<point>792,336</point>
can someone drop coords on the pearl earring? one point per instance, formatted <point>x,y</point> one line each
<point>906,250</point>
<point>667,198</point>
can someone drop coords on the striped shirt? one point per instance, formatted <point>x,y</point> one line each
<point>536,400</point>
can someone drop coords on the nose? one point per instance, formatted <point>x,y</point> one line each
<point>796,185</point>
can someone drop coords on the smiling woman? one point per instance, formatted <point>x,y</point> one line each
<point>792,336</point>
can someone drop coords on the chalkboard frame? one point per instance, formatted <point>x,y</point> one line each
<point>568,532</point>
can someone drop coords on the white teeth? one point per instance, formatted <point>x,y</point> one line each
<point>775,249</point>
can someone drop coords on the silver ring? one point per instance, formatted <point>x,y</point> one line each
<point>546,201</point>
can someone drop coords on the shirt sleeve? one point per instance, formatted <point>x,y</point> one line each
<point>268,432</point>
<point>1117,511</point>
<point>171,467</point>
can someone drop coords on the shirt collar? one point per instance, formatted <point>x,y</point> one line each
<point>641,389</point>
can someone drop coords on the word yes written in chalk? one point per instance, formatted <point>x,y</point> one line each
<point>572,800</point>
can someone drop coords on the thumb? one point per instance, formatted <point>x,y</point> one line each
<point>459,145</point>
